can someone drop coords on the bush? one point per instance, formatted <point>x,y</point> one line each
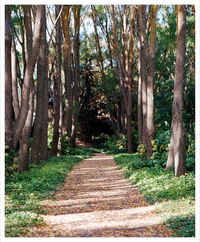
<point>11,160</point>
<point>66,146</point>
<point>141,149</point>
<point>115,144</point>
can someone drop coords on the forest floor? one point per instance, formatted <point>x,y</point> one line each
<point>96,201</point>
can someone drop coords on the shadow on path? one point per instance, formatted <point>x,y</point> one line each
<point>96,201</point>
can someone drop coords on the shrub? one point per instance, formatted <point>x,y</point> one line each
<point>116,144</point>
<point>11,160</point>
<point>141,150</point>
<point>66,146</point>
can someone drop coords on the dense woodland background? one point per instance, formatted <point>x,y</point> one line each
<point>119,78</point>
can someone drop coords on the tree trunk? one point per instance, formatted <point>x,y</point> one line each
<point>8,81</point>
<point>21,119</point>
<point>57,83</point>
<point>14,80</point>
<point>41,106</point>
<point>76,72</point>
<point>67,120</point>
<point>143,65</point>
<point>139,101</point>
<point>23,164</point>
<point>150,75</point>
<point>44,124</point>
<point>129,71</point>
<point>177,147</point>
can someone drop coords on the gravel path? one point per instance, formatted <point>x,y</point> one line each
<point>96,201</point>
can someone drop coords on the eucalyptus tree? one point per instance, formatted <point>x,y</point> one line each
<point>8,79</point>
<point>176,155</point>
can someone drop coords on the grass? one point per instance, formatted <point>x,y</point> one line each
<point>173,196</point>
<point>25,191</point>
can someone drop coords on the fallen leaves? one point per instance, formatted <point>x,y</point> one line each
<point>96,201</point>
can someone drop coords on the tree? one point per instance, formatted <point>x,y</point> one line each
<point>67,66</point>
<point>176,155</point>
<point>146,74</point>
<point>8,80</point>
<point>30,65</point>
<point>57,84</point>
<point>76,11</point>
<point>15,95</point>
<point>150,78</point>
<point>41,106</point>
<point>125,67</point>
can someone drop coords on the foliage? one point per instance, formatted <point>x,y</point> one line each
<point>84,152</point>
<point>11,159</point>
<point>24,191</point>
<point>115,144</point>
<point>174,196</point>
<point>50,135</point>
<point>141,150</point>
<point>184,226</point>
<point>66,146</point>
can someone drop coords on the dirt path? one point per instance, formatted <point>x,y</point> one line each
<point>96,201</point>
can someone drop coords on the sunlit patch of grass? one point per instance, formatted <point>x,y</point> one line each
<point>25,191</point>
<point>174,196</point>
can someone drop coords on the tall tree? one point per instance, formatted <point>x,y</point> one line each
<point>76,11</point>
<point>15,95</point>
<point>67,66</point>
<point>8,80</point>
<point>146,73</point>
<point>124,58</point>
<point>176,155</point>
<point>57,84</point>
<point>31,61</point>
<point>41,105</point>
<point>150,77</point>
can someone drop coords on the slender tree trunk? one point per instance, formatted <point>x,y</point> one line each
<point>23,164</point>
<point>44,132</point>
<point>21,119</point>
<point>139,101</point>
<point>143,65</point>
<point>177,145</point>
<point>129,71</point>
<point>8,80</point>
<point>67,120</point>
<point>57,83</point>
<point>14,80</point>
<point>41,105</point>
<point>76,72</point>
<point>150,75</point>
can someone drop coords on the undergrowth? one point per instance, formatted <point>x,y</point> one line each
<point>25,191</point>
<point>173,196</point>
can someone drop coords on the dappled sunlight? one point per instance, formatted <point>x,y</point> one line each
<point>97,201</point>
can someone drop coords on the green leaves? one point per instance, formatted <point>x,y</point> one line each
<point>174,196</point>
<point>25,191</point>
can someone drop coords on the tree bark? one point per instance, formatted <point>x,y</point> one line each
<point>177,148</point>
<point>23,164</point>
<point>76,73</point>
<point>8,81</point>
<point>15,95</point>
<point>143,66</point>
<point>150,75</point>
<point>41,106</point>
<point>57,83</point>
<point>21,119</point>
<point>129,71</point>
<point>68,104</point>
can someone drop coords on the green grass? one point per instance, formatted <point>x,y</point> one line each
<point>25,191</point>
<point>173,196</point>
